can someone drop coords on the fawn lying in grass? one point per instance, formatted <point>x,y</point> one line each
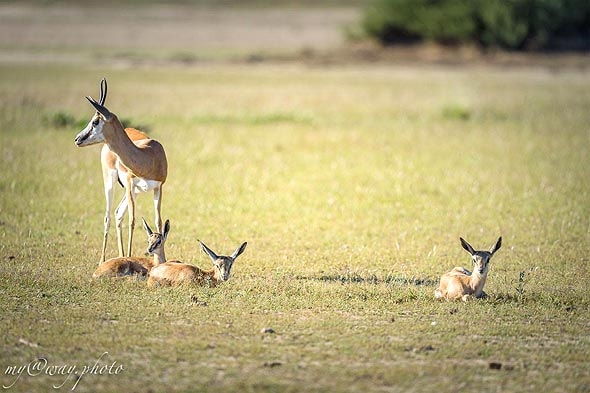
<point>460,283</point>
<point>129,266</point>
<point>176,272</point>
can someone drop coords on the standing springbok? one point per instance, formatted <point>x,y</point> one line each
<point>129,156</point>
<point>462,284</point>
<point>176,272</point>
<point>140,266</point>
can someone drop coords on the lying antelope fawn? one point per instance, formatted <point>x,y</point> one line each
<point>176,272</point>
<point>462,284</point>
<point>140,266</point>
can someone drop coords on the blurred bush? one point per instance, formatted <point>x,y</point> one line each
<point>64,119</point>
<point>456,112</point>
<point>510,24</point>
<point>59,119</point>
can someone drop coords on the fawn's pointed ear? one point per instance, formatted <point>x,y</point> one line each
<point>467,246</point>
<point>239,250</point>
<point>209,252</point>
<point>497,246</point>
<point>146,227</point>
<point>100,108</point>
<point>166,229</point>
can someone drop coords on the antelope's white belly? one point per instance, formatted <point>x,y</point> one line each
<point>139,184</point>
<point>142,185</point>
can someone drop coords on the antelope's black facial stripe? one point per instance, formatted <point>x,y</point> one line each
<point>83,138</point>
<point>155,245</point>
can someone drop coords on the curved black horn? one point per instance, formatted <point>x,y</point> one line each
<point>101,109</point>
<point>103,91</point>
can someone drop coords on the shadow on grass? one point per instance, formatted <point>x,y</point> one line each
<point>559,300</point>
<point>355,278</point>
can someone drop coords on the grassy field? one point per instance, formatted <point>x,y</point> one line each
<point>351,184</point>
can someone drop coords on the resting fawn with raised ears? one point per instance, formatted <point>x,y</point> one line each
<point>462,284</point>
<point>176,272</point>
<point>140,266</point>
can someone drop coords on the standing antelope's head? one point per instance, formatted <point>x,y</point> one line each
<point>481,259</point>
<point>93,133</point>
<point>156,240</point>
<point>223,263</point>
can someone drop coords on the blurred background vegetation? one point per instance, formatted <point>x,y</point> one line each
<point>513,24</point>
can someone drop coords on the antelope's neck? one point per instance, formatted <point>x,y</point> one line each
<point>213,274</point>
<point>477,281</point>
<point>129,154</point>
<point>159,257</point>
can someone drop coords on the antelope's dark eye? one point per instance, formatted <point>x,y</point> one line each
<point>95,123</point>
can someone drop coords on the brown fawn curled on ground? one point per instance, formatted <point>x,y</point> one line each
<point>139,266</point>
<point>462,284</point>
<point>176,272</point>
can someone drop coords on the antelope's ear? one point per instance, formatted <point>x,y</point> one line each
<point>497,246</point>
<point>209,252</point>
<point>100,108</point>
<point>239,250</point>
<point>467,246</point>
<point>166,229</point>
<point>146,227</point>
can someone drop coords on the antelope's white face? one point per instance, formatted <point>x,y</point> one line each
<point>223,266</point>
<point>155,242</point>
<point>223,263</point>
<point>92,134</point>
<point>481,260</point>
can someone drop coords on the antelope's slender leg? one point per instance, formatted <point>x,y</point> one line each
<point>158,207</point>
<point>119,214</point>
<point>109,190</point>
<point>131,202</point>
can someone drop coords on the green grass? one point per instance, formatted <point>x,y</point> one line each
<point>351,185</point>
